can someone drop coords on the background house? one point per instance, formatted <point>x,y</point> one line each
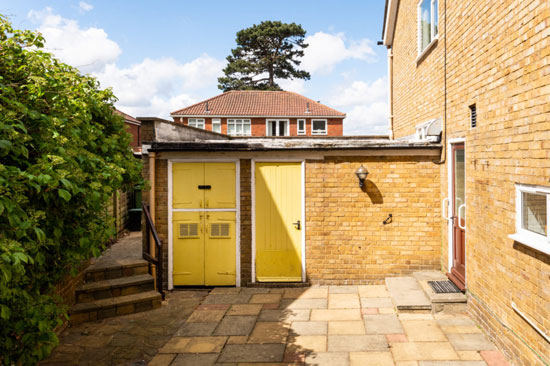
<point>133,127</point>
<point>262,113</point>
<point>481,68</point>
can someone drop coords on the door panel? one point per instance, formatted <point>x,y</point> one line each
<point>221,178</point>
<point>278,206</point>
<point>458,270</point>
<point>220,249</point>
<point>186,179</point>
<point>188,248</point>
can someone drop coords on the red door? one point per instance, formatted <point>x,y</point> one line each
<point>458,270</point>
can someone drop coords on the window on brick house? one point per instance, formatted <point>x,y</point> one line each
<point>217,125</point>
<point>428,23</point>
<point>319,127</point>
<point>196,122</point>
<point>238,127</point>
<point>533,217</point>
<point>301,127</point>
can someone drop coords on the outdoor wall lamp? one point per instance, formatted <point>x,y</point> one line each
<point>361,174</point>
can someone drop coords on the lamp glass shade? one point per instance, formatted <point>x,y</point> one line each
<point>361,173</point>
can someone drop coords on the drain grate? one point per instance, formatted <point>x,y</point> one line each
<point>444,287</point>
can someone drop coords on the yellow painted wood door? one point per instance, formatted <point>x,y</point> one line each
<point>220,249</point>
<point>278,207</point>
<point>188,248</point>
<point>186,178</point>
<point>203,241</point>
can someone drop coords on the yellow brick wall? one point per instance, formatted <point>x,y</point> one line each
<point>347,243</point>
<point>498,56</point>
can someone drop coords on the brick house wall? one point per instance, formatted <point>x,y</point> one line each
<point>346,242</point>
<point>335,126</point>
<point>497,57</point>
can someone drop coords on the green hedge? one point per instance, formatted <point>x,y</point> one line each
<point>63,152</point>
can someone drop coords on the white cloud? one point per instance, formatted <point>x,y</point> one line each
<point>326,50</point>
<point>294,85</point>
<point>366,106</point>
<point>85,6</point>
<point>156,86</point>
<point>88,49</point>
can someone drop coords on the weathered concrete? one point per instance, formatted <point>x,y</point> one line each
<point>407,294</point>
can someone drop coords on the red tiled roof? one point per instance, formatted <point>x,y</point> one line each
<point>259,103</point>
<point>127,117</point>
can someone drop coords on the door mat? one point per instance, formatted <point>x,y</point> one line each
<point>444,287</point>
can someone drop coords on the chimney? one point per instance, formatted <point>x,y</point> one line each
<point>206,109</point>
<point>307,108</point>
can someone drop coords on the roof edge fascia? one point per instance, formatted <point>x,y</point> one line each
<point>391,18</point>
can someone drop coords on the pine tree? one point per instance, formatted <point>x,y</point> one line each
<point>265,52</point>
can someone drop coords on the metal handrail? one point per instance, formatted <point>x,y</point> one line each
<point>157,262</point>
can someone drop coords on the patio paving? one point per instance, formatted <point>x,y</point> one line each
<point>336,325</point>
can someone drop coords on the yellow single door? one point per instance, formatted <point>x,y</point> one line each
<point>188,248</point>
<point>186,179</point>
<point>278,213</point>
<point>219,179</point>
<point>219,248</point>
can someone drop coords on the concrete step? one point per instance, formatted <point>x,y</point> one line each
<point>109,270</point>
<point>449,303</point>
<point>122,305</point>
<point>122,286</point>
<point>407,295</point>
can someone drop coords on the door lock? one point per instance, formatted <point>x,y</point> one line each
<point>297,224</point>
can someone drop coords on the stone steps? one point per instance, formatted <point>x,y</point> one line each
<point>113,288</point>
<point>122,286</point>
<point>121,305</point>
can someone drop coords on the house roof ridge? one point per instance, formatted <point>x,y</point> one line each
<point>201,102</point>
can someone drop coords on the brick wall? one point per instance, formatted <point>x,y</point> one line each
<point>335,126</point>
<point>246,222</point>
<point>497,57</point>
<point>347,243</point>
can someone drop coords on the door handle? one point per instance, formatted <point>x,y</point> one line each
<point>463,206</point>
<point>445,208</point>
<point>297,224</point>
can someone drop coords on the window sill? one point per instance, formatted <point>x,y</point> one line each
<point>427,50</point>
<point>318,133</point>
<point>540,244</point>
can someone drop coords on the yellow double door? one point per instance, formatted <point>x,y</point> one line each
<point>203,224</point>
<point>278,222</point>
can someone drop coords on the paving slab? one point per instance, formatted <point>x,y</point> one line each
<point>162,359</point>
<point>446,320</point>
<point>371,359</point>
<point>245,309</point>
<point>376,302</point>
<point>265,298</point>
<point>309,328</point>
<point>304,303</point>
<point>225,290</point>
<point>175,345</point>
<point>423,331</point>
<point>343,289</point>
<point>470,355</point>
<point>196,329</point>
<point>307,343</point>
<point>494,358</point>
<point>252,353</point>
<point>335,314</point>
<point>195,360</point>
<point>470,342</point>
<point>228,299</point>
<point>236,325</point>
<point>429,351</point>
<point>205,345</point>
<point>343,301</point>
<point>407,294</point>
<point>353,327</point>
<point>357,343</point>
<point>286,315</point>
<point>382,324</point>
<point>461,329</point>
<point>373,291</point>
<point>205,316</point>
<point>269,332</point>
<point>328,359</point>
<point>452,363</point>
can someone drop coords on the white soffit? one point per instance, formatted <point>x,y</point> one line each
<point>391,17</point>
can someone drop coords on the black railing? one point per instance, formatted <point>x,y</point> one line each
<point>150,231</point>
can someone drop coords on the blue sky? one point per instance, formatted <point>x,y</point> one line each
<point>163,55</point>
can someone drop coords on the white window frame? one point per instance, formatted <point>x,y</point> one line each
<point>323,132</point>
<point>298,131</point>
<point>218,123</point>
<point>242,122</point>
<point>526,237</point>
<point>196,122</point>
<point>277,122</point>
<point>433,35</point>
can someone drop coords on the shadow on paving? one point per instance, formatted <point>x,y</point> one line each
<point>126,340</point>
